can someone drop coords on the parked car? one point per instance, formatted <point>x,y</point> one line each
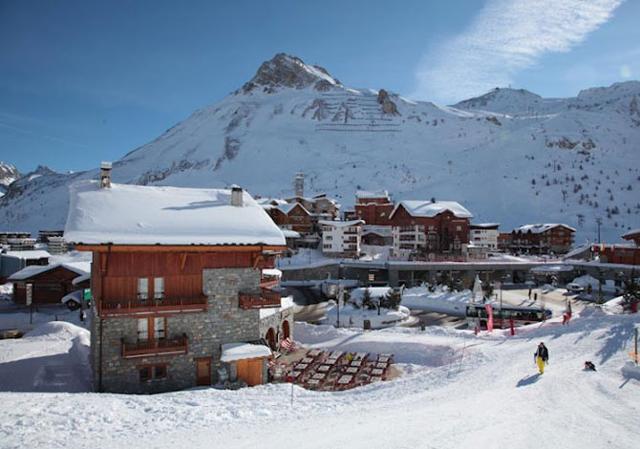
<point>73,300</point>
<point>575,287</point>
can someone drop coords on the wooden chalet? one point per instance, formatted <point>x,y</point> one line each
<point>373,207</point>
<point>543,238</point>
<point>174,279</point>
<point>49,283</point>
<point>430,227</point>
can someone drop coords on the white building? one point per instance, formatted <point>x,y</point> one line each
<point>341,238</point>
<point>408,240</point>
<point>484,235</point>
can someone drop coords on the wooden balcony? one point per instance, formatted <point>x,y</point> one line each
<point>140,307</point>
<point>266,299</point>
<point>148,348</point>
<point>268,282</point>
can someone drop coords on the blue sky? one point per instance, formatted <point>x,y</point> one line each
<point>84,81</point>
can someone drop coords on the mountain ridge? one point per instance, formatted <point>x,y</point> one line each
<point>569,160</point>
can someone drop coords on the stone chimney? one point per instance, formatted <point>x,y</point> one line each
<point>105,175</point>
<point>236,196</point>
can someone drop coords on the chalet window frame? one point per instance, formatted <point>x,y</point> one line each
<point>158,288</point>
<point>153,372</point>
<point>142,290</point>
<point>155,328</point>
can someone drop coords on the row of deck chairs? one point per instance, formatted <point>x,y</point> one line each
<point>340,370</point>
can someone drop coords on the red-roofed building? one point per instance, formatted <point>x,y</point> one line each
<point>429,227</point>
<point>373,207</point>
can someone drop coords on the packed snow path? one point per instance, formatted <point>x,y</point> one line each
<point>458,391</point>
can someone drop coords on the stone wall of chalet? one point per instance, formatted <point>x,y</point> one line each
<point>223,322</point>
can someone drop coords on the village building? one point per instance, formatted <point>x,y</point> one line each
<point>178,285</point>
<point>484,235</point>
<point>341,238</point>
<point>543,238</point>
<point>429,228</point>
<point>633,236</point>
<point>45,234</point>
<point>48,283</point>
<point>504,242</point>
<point>5,236</point>
<point>12,261</point>
<point>297,223</point>
<point>377,235</point>
<point>373,207</point>
<point>320,206</point>
<point>620,253</point>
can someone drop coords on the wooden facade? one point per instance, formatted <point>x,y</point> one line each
<point>297,219</point>
<point>374,210</point>
<point>557,239</point>
<point>633,236</point>
<point>118,269</point>
<point>619,254</point>
<point>444,233</point>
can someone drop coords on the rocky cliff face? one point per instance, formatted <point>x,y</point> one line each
<point>509,156</point>
<point>8,174</point>
<point>284,71</point>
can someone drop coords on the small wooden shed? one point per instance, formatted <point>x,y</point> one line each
<point>249,361</point>
<point>50,282</point>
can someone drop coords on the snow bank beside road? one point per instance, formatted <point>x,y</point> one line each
<point>52,357</point>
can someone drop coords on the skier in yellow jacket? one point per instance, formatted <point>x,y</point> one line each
<point>541,357</point>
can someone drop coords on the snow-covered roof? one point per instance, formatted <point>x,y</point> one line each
<point>28,254</point>
<point>541,227</point>
<point>633,232</point>
<point>485,225</point>
<point>270,201</point>
<point>240,351</point>
<point>552,269</point>
<point>375,292</point>
<point>285,303</point>
<point>33,270</point>
<point>290,233</point>
<point>76,295</point>
<point>288,207</point>
<point>340,224</point>
<point>144,215</point>
<point>271,272</point>
<point>417,208</point>
<point>82,278</point>
<point>383,231</point>
<point>366,194</point>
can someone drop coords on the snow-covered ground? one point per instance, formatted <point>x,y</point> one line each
<point>352,317</point>
<point>441,300</point>
<point>456,391</point>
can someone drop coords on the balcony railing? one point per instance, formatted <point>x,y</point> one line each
<point>129,307</point>
<point>266,299</point>
<point>165,346</point>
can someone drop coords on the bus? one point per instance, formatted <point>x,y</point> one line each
<point>502,316</point>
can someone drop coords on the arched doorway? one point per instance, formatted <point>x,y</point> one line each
<point>286,332</point>
<point>271,338</point>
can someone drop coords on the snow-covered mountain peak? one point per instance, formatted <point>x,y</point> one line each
<point>289,71</point>
<point>8,174</point>
<point>503,100</point>
<point>569,160</point>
